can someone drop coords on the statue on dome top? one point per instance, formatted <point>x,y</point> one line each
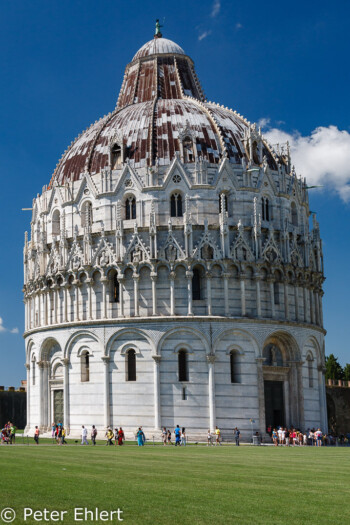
<point>158,33</point>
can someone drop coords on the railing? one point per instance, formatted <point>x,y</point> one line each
<point>338,382</point>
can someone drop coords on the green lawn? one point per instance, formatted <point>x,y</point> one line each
<point>192,485</point>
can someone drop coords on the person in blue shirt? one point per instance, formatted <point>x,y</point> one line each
<point>177,433</point>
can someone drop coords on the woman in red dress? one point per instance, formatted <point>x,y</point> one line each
<point>120,436</point>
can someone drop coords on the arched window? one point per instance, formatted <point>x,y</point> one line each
<point>196,285</point>
<point>33,371</point>
<point>176,205</point>
<point>272,355</point>
<point>116,156</point>
<point>276,292</point>
<point>86,214</point>
<point>115,288</point>
<point>223,197</point>
<point>234,366</point>
<point>130,208</point>
<point>265,209</point>
<point>131,365</point>
<point>310,371</point>
<point>188,149</point>
<point>183,365</point>
<point>85,366</point>
<point>294,213</point>
<point>56,222</point>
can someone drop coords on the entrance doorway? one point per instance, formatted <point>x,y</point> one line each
<point>274,404</point>
<point>58,406</point>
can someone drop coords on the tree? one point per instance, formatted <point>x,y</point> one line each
<point>333,368</point>
<point>347,372</point>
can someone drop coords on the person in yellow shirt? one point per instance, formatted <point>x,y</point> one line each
<point>217,436</point>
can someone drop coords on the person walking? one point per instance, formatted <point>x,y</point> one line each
<point>164,436</point>
<point>177,433</point>
<point>13,434</point>
<point>183,437</point>
<point>209,439</point>
<point>236,434</point>
<point>217,436</point>
<point>109,436</point>
<point>169,438</point>
<point>121,436</point>
<point>93,434</point>
<point>140,435</point>
<point>84,434</point>
<point>36,435</point>
<point>63,436</point>
<point>275,437</point>
<point>53,429</point>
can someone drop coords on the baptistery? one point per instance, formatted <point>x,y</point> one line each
<point>171,275</point>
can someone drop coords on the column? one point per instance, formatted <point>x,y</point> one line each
<point>209,299</point>
<point>55,303</point>
<point>157,413</point>
<point>261,395</point>
<point>28,397</point>
<point>121,295</point>
<point>65,302</point>
<point>172,292</point>
<point>39,307</point>
<point>312,318</point>
<point>76,283</point>
<point>296,300</point>
<point>189,276</point>
<point>43,293</point>
<point>136,278</point>
<point>105,360</point>
<point>104,297</point>
<point>286,299</point>
<point>305,303</point>
<point>89,283</point>
<point>29,316</point>
<point>272,299</point>
<point>45,306</point>
<point>211,384</point>
<point>41,394</point>
<point>243,302</point>
<point>227,308</point>
<point>66,421</point>
<point>258,295</point>
<point>317,316</point>
<point>320,307</point>
<point>154,293</point>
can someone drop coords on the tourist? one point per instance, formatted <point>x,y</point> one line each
<point>93,434</point>
<point>13,434</point>
<point>63,436</point>
<point>121,436</point>
<point>59,435</point>
<point>275,437</point>
<point>283,436</point>
<point>319,437</point>
<point>109,436</point>
<point>286,436</point>
<point>209,439</point>
<point>164,436</point>
<point>53,429</point>
<point>177,433</point>
<point>183,437</point>
<point>84,433</point>
<point>140,436</point>
<point>169,438</point>
<point>116,436</point>
<point>236,434</point>
<point>217,436</point>
<point>279,433</point>
<point>36,435</point>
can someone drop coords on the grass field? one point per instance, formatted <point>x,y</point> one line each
<point>192,485</point>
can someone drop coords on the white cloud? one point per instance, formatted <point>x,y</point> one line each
<point>264,122</point>
<point>216,8</point>
<point>323,157</point>
<point>238,26</point>
<point>3,329</point>
<point>204,35</point>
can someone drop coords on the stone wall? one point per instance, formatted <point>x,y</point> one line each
<point>338,409</point>
<point>13,407</point>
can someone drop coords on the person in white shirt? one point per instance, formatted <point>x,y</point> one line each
<point>84,434</point>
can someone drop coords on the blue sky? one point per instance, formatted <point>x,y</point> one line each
<point>285,65</point>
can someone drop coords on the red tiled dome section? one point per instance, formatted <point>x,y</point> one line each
<point>159,46</point>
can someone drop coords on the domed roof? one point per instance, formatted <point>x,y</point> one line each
<point>159,46</point>
<point>161,102</point>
